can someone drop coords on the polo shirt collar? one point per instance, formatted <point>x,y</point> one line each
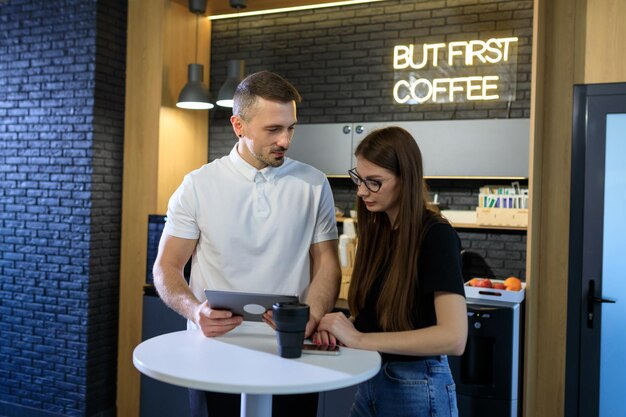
<point>248,171</point>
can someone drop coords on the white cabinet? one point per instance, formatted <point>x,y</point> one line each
<point>450,148</point>
<point>325,146</point>
<point>328,147</point>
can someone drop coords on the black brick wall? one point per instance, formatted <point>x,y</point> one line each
<point>341,58</point>
<point>106,209</point>
<point>62,70</point>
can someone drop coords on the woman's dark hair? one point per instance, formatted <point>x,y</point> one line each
<point>394,149</point>
<point>264,84</point>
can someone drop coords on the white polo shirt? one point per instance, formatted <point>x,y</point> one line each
<point>254,228</point>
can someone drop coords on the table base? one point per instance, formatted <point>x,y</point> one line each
<point>256,405</point>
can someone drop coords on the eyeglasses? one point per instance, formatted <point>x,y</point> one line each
<point>372,185</point>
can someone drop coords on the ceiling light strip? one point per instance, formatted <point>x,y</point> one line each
<point>291,9</point>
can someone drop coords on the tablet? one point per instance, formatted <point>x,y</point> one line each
<point>249,305</point>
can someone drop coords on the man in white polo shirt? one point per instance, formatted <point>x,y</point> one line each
<point>252,221</point>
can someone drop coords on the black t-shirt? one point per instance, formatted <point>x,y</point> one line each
<point>439,269</point>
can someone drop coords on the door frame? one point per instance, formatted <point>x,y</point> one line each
<point>577,337</point>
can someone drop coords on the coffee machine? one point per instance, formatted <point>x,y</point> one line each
<point>488,375</point>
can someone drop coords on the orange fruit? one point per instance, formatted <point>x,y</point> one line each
<point>472,282</point>
<point>513,284</point>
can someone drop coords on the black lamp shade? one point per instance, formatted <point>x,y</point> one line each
<point>194,94</point>
<point>236,69</point>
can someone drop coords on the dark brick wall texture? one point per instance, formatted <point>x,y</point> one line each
<point>62,71</point>
<point>341,58</point>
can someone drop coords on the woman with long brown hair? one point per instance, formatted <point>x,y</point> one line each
<point>406,294</point>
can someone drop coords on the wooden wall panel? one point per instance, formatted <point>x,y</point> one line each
<point>183,147</point>
<point>183,144</point>
<point>555,71</point>
<point>575,42</point>
<point>161,144</point>
<point>143,97</point>
<point>605,61</point>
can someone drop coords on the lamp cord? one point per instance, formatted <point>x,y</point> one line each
<point>197,38</point>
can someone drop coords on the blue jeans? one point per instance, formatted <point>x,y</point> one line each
<point>422,388</point>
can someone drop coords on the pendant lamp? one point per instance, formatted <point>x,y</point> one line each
<point>236,68</point>
<point>195,95</point>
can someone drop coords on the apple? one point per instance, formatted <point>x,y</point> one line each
<point>499,286</point>
<point>484,283</point>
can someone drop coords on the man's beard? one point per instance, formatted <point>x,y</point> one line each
<point>269,160</point>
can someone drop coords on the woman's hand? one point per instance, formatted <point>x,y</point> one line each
<point>322,337</point>
<point>341,328</point>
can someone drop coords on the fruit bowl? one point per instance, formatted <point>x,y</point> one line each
<point>494,294</point>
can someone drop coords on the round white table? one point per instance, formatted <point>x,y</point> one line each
<point>246,361</point>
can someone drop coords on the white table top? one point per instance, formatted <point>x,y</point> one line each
<point>246,361</point>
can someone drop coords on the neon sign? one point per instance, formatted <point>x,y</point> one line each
<point>467,67</point>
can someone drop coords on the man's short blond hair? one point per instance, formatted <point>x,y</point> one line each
<point>264,84</point>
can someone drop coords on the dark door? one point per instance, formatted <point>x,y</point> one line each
<point>596,341</point>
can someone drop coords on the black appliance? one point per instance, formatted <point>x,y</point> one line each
<point>156,223</point>
<point>158,399</point>
<point>488,376</point>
